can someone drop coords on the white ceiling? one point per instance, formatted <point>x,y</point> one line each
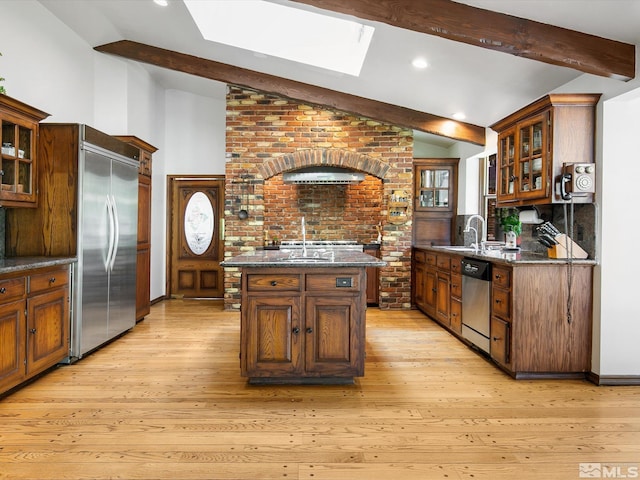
<point>486,85</point>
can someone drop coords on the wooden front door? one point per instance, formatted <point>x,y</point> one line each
<point>196,245</point>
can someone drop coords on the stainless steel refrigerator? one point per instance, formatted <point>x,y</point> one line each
<point>104,290</point>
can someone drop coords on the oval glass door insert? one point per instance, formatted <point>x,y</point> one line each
<point>198,223</point>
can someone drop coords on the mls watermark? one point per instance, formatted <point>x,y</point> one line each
<point>609,470</point>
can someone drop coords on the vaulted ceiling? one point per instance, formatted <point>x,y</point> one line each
<point>487,57</point>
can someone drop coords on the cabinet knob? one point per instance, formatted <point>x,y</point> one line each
<point>498,301</point>
<point>33,330</point>
<point>52,280</point>
<point>495,339</point>
<point>497,276</point>
<point>512,178</point>
<point>296,330</point>
<point>434,290</point>
<point>309,330</point>
<point>273,283</point>
<point>3,290</point>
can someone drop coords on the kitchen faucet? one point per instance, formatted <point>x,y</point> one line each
<point>468,228</point>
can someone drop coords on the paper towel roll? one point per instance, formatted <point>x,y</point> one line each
<point>530,216</point>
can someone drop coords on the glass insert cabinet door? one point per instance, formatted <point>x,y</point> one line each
<point>17,148</point>
<point>433,188</point>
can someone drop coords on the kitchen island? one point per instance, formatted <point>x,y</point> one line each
<point>302,316</point>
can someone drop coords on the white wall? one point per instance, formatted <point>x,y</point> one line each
<point>617,311</point>
<point>194,143</point>
<point>45,64</point>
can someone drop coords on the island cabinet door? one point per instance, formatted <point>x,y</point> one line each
<point>334,336</point>
<point>273,337</point>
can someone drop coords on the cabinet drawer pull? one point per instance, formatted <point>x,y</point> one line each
<point>3,290</point>
<point>273,283</point>
<point>296,330</point>
<point>309,330</point>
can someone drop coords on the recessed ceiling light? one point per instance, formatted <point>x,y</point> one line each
<point>282,31</point>
<point>419,63</point>
<point>162,3</point>
<point>459,116</point>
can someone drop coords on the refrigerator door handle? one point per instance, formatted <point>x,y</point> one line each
<point>116,233</point>
<point>111,232</point>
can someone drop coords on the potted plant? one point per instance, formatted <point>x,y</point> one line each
<point>511,226</point>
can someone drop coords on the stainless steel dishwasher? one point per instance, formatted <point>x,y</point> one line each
<point>476,303</point>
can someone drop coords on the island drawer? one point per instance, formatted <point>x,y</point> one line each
<point>273,282</point>
<point>344,281</point>
<point>12,288</point>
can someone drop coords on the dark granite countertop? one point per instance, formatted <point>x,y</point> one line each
<point>500,256</point>
<point>293,258</point>
<point>18,264</point>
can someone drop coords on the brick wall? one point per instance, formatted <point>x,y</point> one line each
<point>267,135</point>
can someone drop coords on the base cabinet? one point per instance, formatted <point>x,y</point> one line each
<point>13,331</point>
<point>301,326</point>
<point>34,323</point>
<point>432,286</point>
<point>540,319</point>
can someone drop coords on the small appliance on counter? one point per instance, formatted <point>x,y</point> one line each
<point>558,244</point>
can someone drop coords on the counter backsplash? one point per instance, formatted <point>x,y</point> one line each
<point>584,234</point>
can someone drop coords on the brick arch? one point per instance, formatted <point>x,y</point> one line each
<point>321,156</point>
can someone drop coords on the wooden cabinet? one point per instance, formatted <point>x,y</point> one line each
<point>432,289</point>
<point>34,323</point>
<point>373,276</point>
<point>18,138</point>
<point>435,194</point>
<point>302,327</point>
<point>541,313</point>
<point>455,313</point>
<point>535,142</point>
<point>143,263</point>
<point>500,327</point>
<point>541,319</point>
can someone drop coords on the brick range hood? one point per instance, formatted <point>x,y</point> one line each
<point>268,136</point>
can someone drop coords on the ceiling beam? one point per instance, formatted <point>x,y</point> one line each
<point>312,94</point>
<point>496,31</point>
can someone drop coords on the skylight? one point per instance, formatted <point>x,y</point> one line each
<point>281,31</point>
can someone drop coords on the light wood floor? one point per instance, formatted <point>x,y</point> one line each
<point>166,402</point>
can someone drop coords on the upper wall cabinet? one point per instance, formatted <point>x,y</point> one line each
<point>18,139</point>
<point>535,142</point>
